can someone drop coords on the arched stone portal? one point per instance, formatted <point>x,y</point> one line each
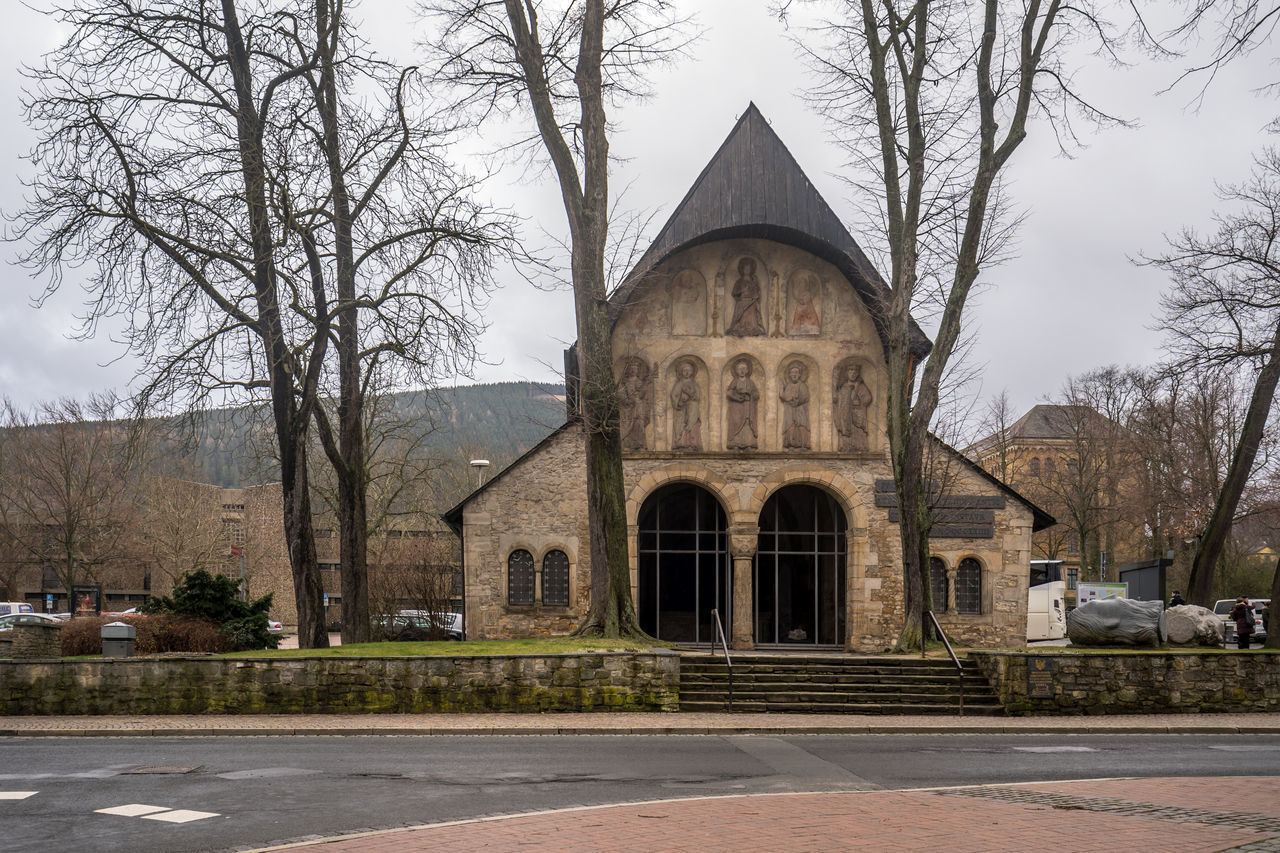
<point>683,564</point>
<point>799,572</point>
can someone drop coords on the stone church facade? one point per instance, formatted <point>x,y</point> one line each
<point>752,383</point>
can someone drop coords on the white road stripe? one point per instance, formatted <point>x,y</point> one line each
<point>180,816</point>
<point>17,795</point>
<point>1054,749</point>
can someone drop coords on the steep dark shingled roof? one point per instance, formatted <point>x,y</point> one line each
<point>753,187</point>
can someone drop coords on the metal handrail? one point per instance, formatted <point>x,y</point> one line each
<point>955,660</point>
<point>728,661</point>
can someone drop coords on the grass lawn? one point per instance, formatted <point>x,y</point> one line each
<point>540,646</point>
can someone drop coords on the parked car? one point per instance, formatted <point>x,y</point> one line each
<point>450,622</point>
<point>7,607</point>
<point>7,622</point>
<point>399,628</point>
<point>275,627</point>
<point>1222,608</point>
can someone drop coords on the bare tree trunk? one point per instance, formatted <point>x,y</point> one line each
<point>586,204</point>
<point>1200,585</point>
<point>350,464</point>
<point>290,423</point>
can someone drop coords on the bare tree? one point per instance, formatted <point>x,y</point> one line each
<point>180,528</point>
<point>1224,310</point>
<point>564,63</point>
<point>393,228</point>
<point>153,163</point>
<point>942,93</point>
<point>69,485</point>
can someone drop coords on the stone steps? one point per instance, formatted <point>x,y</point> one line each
<point>834,685</point>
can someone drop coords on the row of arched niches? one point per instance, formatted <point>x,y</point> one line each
<point>688,406</point>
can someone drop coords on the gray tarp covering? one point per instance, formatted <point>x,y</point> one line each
<point>1116,622</point>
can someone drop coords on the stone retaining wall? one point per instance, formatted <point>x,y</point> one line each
<point>1134,683</point>
<point>31,640</point>
<point>624,681</point>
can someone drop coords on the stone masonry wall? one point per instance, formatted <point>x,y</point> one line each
<point>1137,683</point>
<point>36,640</point>
<point>540,505</point>
<point>640,681</point>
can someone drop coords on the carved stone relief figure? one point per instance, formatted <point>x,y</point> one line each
<point>806,294</point>
<point>686,408</point>
<point>688,304</point>
<point>852,396</point>
<point>635,403</point>
<point>743,409</point>
<point>795,408</point>
<point>748,316</point>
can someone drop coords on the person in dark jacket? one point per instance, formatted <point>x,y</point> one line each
<point>1242,615</point>
<point>1177,600</point>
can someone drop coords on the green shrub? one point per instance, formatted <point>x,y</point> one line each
<point>215,599</point>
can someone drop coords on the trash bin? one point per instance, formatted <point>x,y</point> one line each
<point>118,639</point>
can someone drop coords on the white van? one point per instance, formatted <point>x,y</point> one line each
<point>7,607</point>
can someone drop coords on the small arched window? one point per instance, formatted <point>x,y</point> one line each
<point>938,583</point>
<point>520,578</point>
<point>555,579</point>
<point>969,586</point>
<point>1035,466</point>
<point>1048,466</point>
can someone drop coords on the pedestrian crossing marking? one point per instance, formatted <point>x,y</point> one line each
<point>132,810</point>
<point>163,813</point>
<point>17,795</point>
<point>180,816</point>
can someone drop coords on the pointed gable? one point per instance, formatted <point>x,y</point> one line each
<point>753,187</point>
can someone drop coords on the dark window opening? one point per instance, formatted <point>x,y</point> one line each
<point>969,586</point>
<point>799,569</point>
<point>684,565</point>
<point>520,581</point>
<point>938,584</point>
<point>555,579</point>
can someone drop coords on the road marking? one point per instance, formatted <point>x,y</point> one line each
<point>132,810</point>
<point>163,813</point>
<point>180,816</point>
<point>1054,749</point>
<point>267,773</point>
<point>17,795</point>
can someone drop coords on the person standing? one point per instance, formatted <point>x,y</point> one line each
<point>1177,600</point>
<point>1242,615</point>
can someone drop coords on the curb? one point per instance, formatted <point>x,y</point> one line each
<point>598,731</point>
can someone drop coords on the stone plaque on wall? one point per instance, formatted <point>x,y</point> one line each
<point>1040,678</point>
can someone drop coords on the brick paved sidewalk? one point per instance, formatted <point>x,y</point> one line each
<point>1173,815</point>
<point>625,723</point>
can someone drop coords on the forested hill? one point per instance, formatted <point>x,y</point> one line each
<point>498,422</point>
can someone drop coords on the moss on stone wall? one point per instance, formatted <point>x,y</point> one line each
<point>1137,683</point>
<point>624,681</point>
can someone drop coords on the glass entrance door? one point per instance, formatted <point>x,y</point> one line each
<point>799,569</point>
<point>684,565</point>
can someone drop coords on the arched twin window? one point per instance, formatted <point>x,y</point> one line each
<point>522,584</point>
<point>968,585</point>
<point>1035,466</point>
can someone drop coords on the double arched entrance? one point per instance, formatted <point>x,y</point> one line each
<point>797,573</point>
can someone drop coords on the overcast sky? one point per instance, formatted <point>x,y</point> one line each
<point>1070,301</point>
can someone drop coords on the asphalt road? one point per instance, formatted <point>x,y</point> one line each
<point>225,793</point>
